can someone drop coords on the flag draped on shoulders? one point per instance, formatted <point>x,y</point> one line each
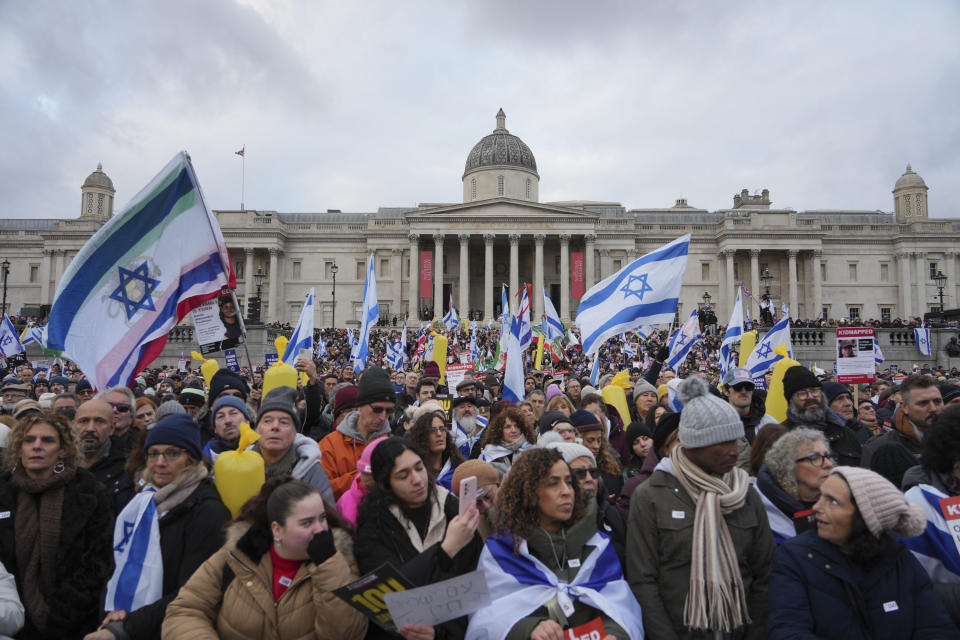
<point>133,281</point>
<point>937,549</point>
<point>645,292</point>
<point>302,337</point>
<point>137,579</point>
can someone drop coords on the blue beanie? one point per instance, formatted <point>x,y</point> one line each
<point>230,401</point>
<point>179,430</point>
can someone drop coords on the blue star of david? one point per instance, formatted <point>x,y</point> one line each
<point>644,287</point>
<point>764,350</point>
<point>681,339</point>
<point>135,289</point>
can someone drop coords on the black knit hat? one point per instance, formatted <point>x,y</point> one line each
<point>796,378</point>
<point>225,379</point>
<point>375,386</point>
<point>636,429</point>
<point>178,429</point>
<point>280,399</point>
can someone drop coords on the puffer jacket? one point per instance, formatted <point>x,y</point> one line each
<point>205,609</point>
<point>815,586</point>
<point>342,448</point>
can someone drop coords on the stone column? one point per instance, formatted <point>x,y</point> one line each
<point>906,306</point>
<point>514,270</point>
<point>951,273</point>
<point>45,278</point>
<point>248,280</point>
<point>396,268</point>
<point>413,309</point>
<point>274,284</point>
<point>537,305</point>
<point>729,295</point>
<point>438,309</point>
<point>564,277</point>
<point>754,271</point>
<point>792,276</point>
<point>920,280</point>
<point>606,264</point>
<point>817,286</point>
<point>588,266</point>
<point>488,276</point>
<point>59,264</point>
<point>464,284</point>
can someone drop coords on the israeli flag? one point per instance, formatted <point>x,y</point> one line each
<point>451,321</point>
<point>554,328</point>
<point>513,390</point>
<point>137,579</point>
<point>520,583</point>
<point>627,347</point>
<point>747,324</point>
<point>370,315</point>
<point>302,337</point>
<point>683,340</point>
<point>9,341</point>
<point>321,348</point>
<point>785,309</point>
<point>936,548</point>
<point>877,351</point>
<point>763,357</point>
<point>473,346</point>
<point>395,356</point>
<point>646,291</point>
<point>525,330</point>
<point>673,394</point>
<point>732,336</point>
<point>504,305</point>
<point>352,341</point>
<point>32,333</point>
<point>595,370</point>
<point>922,336</point>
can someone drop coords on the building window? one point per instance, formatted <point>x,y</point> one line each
<point>34,272</point>
<point>933,270</point>
<point>884,272</point>
<point>853,313</point>
<point>383,309</point>
<point>473,188</point>
<point>617,264</point>
<point>357,311</point>
<point>238,267</point>
<point>886,313</point>
<point>296,269</point>
<point>705,271</point>
<point>295,309</point>
<point>361,271</point>
<point>825,312</point>
<point>528,189</point>
<point>326,314</point>
<point>919,205</point>
<point>328,271</point>
<point>384,267</point>
<point>823,272</point>
<point>853,272</point>
<point>499,185</point>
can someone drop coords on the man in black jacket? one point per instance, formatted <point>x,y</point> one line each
<point>93,425</point>
<point>807,407</point>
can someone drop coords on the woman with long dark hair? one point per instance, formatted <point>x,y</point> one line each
<point>508,434</point>
<point>441,454</point>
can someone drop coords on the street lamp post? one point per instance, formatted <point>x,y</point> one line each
<point>258,278</point>
<point>333,316</point>
<point>940,280</point>
<point>6,271</point>
<point>767,313</point>
<point>767,279</point>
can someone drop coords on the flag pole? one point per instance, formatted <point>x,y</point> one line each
<point>243,175</point>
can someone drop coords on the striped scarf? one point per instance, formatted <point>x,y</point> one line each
<point>716,599</point>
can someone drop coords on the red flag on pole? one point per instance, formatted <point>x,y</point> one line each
<point>242,149</point>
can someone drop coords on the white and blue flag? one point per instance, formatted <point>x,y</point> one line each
<point>451,321</point>
<point>922,336</point>
<point>370,313</point>
<point>525,330</point>
<point>936,548</point>
<point>504,305</point>
<point>645,292</point>
<point>302,337</point>
<point>554,328</point>
<point>595,370</point>
<point>137,579</point>
<point>395,356</point>
<point>33,333</point>
<point>321,348</point>
<point>732,336</point>
<point>513,390</point>
<point>352,341</point>
<point>747,324</point>
<point>763,357</point>
<point>683,340</point>
<point>9,340</point>
<point>877,351</point>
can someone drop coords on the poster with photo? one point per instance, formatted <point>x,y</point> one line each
<point>855,362</point>
<point>217,325</point>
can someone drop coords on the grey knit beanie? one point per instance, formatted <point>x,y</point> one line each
<point>643,386</point>
<point>706,419</point>
<point>571,451</point>
<point>881,505</point>
<point>168,408</point>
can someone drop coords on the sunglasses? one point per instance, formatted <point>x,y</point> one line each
<point>379,409</point>
<point>581,474</point>
<point>121,408</point>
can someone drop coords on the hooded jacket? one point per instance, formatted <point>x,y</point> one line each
<point>205,609</point>
<point>342,448</point>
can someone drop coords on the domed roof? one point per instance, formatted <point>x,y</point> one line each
<point>499,149</point>
<point>98,179</point>
<point>909,179</point>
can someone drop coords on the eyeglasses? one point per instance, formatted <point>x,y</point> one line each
<point>818,459</point>
<point>812,392</point>
<point>170,455</point>
<point>379,408</point>
<point>743,386</point>
<point>581,474</point>
<point>121,408</point>
<point>438,429</point>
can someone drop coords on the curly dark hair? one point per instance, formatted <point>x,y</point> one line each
<point>382,461</point>
<point>941,442</point>
<point>420,434</point>
<point>276,499</point>
<point>518,500</point>
<point>494,432</point>
<point>14,448</point>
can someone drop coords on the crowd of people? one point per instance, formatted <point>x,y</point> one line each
<point>716,520</point>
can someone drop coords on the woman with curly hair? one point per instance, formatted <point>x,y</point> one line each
<point>507,435</point>
<point>440,453</point>
<point>548,568</point>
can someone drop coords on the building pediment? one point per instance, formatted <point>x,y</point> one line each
<point>500,208</point>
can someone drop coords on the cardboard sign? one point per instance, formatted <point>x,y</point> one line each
<point>439,602</point>
<point>592,630</point>
<point>212,332</point>
<point>855,362</point>
<point>230,357</point>
<point>367,594</point>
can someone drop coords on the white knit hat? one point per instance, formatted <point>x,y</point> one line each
<point>881,505</point>
<point>706,419</point>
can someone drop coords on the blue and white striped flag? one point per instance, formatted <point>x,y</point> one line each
<point>645,291</point>
<point>877,351</point>
<point>747,324</point>
<point>9,341</point>
<point>732,336</point>
<point>525,329</point>
<point>137,578</point>
<point>554,327</point>
<point>302,337</point>
<point>395,355</point>
<point>451,321</point>
<point>370,313</point>
<point>473,346</point>
<point>673,395</point>
<point>32,333</point>
<point>504,305</point>
<point>785,308</point>
<point>513,390</point>
<point>627,347</point>
<point>763,357</point>
<point>922,336</point>
<point>937,549</point>
<point>683,340</point>
<point>321,348</point>
<point>595,369</point>
<point>352,343</point>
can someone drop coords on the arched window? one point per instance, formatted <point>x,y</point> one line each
<point>499,185</point>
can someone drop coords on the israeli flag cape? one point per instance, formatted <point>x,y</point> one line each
<point>732,336</point>
<point>763,357</point>
<point>493,452</point>
<point>673,394</point>
<point>922,336</point>
<point>463,441</point>
<point>137,579</point>
<point>935,548</point>
<point>521,584</point>
<point>683,341</point>
<point>782,526</point>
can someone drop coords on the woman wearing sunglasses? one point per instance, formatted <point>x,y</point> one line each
<point>789,480</point>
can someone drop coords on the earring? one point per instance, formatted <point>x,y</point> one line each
<point>276,540</point>
<point>58,468</point>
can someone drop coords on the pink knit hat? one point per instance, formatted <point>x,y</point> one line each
<point>363,464</point>
<point>553,391</point>
<point>881,505</point>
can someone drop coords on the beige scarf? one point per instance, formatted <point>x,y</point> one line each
<point>436,528</point>
<point>716,599</point>
<point>182,486</point>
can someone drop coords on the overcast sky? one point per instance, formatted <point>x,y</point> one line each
<point>357,105</point>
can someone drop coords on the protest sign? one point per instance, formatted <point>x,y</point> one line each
<point>439,602</point>
<point>213,329</point>
<point>230,357</point>
<point>855,356</point>
<point>366,594</point>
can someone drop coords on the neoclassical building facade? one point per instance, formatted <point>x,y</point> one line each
<point>837,263</point>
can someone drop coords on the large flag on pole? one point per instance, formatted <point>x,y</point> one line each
<point>922,336</point>
<point>645,291</point>
<point>525,330</point>
<point>451,321</point>
<point>513,390</point>
<point>302,337</point>
<point>9,342</point>
<point>32,333</point>
<point>554,328</point>
<point>137,277</point>
<point>732,336</point>
<point>763,357</point>
<point>683,340</point>
<point>370,315</point>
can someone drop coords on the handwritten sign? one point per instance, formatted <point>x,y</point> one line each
<point>439,602</point>
<point>367,594</point>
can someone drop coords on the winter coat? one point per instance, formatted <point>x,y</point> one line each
<point>11,609</point>
<point>208,609</point>
<point>342,448</point>
<point>349,503</point>
<point>896,436</point>
<point>659,544</point>
<point>84,556</point>
<point>190,533</point>
<point>308,467</point>
<point>611,523</point>
<point>815,586</point>
<point>843,442</point>
<point>108,470</point>
<point>382,538</point>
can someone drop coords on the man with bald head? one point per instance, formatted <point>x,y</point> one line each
<point>93,427</point>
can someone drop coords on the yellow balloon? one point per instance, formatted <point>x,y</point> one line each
<point>622,380</point>
<point>196,356</point>
<point>747,342</point>
<point>281,344</point>
<point>239,475</point>
<point>776,403</point>
<point>440,356</point>
<point>615,395</point>
<point>208,368</point>
<point>279,375</point>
